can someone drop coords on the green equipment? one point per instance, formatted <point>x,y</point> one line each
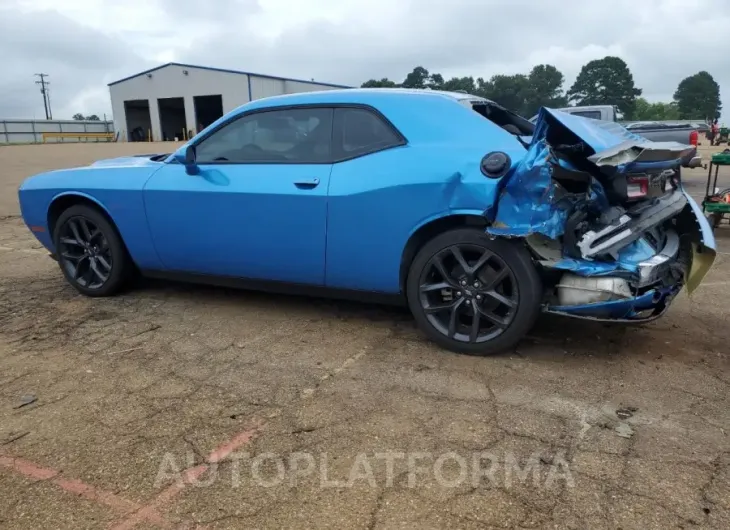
<point>717,203</point>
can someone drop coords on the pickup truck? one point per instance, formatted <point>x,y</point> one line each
<point>683,133</point>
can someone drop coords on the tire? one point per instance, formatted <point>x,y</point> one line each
<point>83,236</point>
<point>506,310</point>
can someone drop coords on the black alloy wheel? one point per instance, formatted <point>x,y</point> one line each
<point>90,251</point>
<point>468,293</point>
<point>473,294</point>
<point>84,253</point>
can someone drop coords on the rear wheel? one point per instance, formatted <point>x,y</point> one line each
<point>472,294</point>
<point>90,252</point>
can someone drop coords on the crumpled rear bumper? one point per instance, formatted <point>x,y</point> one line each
<point>621,249</point>
<point>645,308</point>
<point>655,302</point>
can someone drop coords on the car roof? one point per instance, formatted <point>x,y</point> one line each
<point>358,95</point>
<point>413,110</point>
<point>420,91</point>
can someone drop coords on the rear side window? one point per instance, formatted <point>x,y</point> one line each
<point>361,131</point>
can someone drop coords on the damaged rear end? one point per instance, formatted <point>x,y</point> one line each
<point>606,218</point>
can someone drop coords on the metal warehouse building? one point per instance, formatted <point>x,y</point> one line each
<point>175,100</point>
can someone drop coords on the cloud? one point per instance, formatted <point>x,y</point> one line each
<point>78,59</point>
<point>83,46</point>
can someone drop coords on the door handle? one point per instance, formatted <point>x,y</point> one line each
<point>307,184</point>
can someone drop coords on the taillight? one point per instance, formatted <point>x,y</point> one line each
<point>637,187</point>
<point>645,186</point>
<point>693,138</point>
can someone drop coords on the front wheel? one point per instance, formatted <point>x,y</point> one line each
<point>90,251</point>
<point>472,294</point>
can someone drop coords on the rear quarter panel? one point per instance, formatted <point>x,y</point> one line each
<point>378,201</point>
<point>116,190</point>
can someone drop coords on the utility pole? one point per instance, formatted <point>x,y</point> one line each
<point>44,90</point>
<point>48,98</point>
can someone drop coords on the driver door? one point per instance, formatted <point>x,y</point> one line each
<point>258,207</point>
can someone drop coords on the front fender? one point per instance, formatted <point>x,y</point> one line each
<point>61,196</point>
<point>79,194</point>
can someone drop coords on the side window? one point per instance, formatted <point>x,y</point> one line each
<point>288,136</point>
<point>361,131</point>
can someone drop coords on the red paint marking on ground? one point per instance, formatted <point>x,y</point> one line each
<point>238,441</point>
<point>28,469</point>
<point>90,493</point>
<point>76,487</point>
<point>188,476</point>
<point>151,510</point>
<point>134,513</point>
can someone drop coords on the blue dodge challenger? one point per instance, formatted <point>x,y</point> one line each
<point>475,217</point>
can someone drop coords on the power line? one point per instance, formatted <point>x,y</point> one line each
<point>46,97</point>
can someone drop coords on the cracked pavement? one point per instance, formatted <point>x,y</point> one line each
<point>279,401</point>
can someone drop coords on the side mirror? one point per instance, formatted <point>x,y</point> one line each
<point>188,160</point>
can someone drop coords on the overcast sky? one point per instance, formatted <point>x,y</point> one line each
<point>85,44</point>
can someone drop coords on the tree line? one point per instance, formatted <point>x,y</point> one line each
<point>81,117</point>
<point>606,81</point>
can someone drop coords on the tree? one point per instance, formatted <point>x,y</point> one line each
<point>606,81</point>
<point>510,91</point>
<point>436,82</point>
<point>418,78</point>
<point>698,97</point>
<point>382,83</point>
<point>521,93</point>
<point>545,89</point>
<point>645,111</point>
<point>80,117</point>
<point>464,84</point>
<point>482,87</point>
